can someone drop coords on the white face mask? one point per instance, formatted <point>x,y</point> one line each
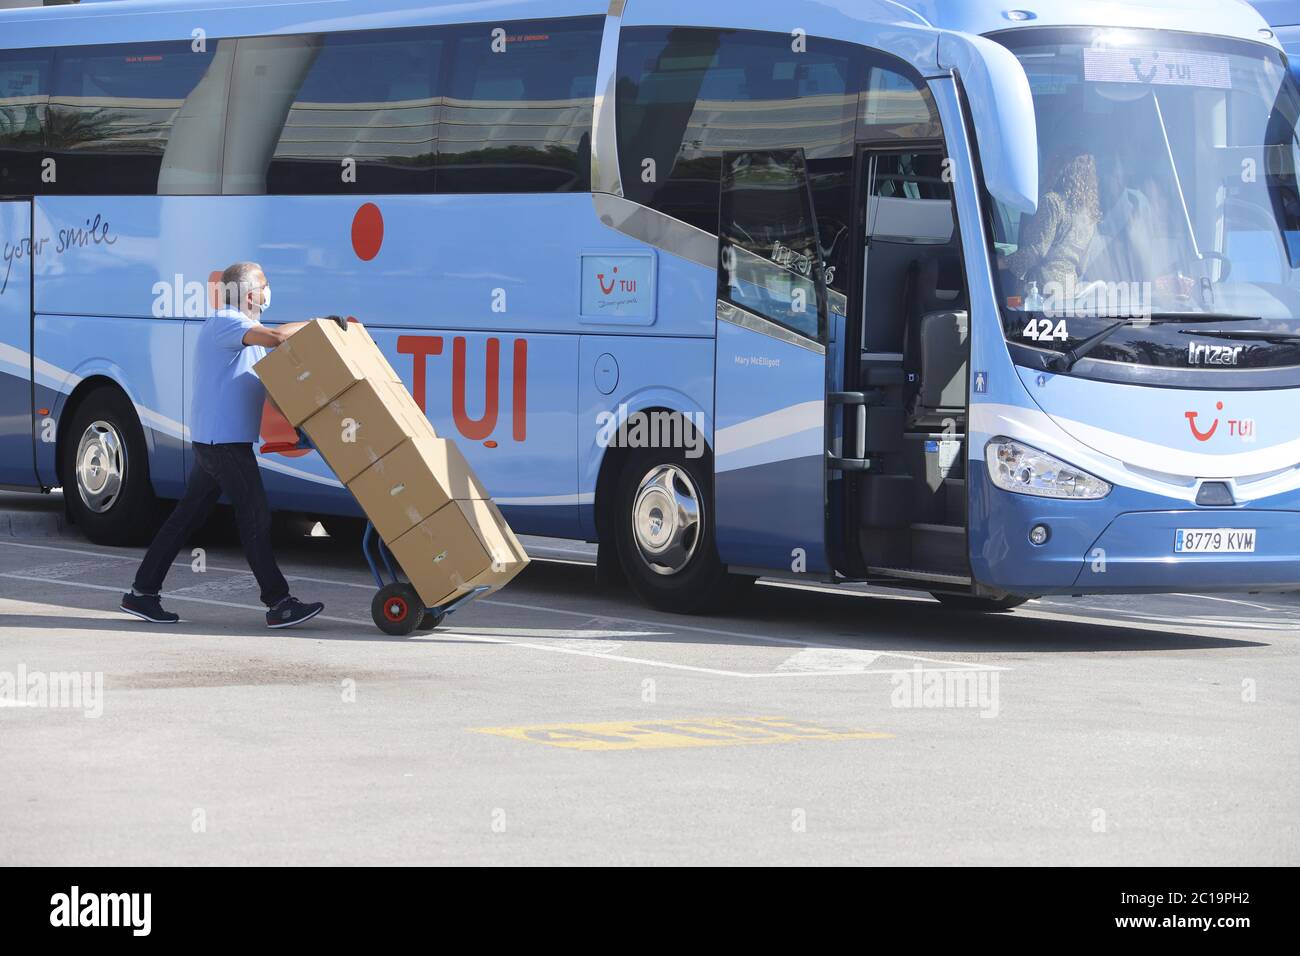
<point>266,299</point>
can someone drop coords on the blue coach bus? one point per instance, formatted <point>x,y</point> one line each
<point>990,303</point>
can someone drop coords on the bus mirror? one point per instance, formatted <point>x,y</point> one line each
<point>1002,113</point>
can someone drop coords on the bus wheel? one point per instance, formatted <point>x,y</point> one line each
<point>964,602</point>
<point>663,530</point>
<point>104,466</point>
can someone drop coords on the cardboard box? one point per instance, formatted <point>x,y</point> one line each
<point>318,363</point>
<point>461,545</point>
<point>357,428</point>
<point>370,353</point>
<point>412,482</point>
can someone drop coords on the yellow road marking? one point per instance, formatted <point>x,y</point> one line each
<point>690,732</point>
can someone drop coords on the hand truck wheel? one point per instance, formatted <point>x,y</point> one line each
<point>431,619</point>
<point>396,609</point>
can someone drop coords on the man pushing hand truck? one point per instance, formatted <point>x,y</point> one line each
<point>226,414</point>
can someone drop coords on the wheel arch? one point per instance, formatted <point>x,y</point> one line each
<point>611,458</point>
<point>67,410</point>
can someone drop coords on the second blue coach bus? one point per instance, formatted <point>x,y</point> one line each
<point>992,303</point>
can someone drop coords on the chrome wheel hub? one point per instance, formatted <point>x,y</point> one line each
<point>101,466</point>
<point>666,519</point>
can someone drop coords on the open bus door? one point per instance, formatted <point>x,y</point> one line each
<point>770,368</point>
<point>17,419</point>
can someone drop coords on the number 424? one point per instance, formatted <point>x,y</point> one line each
<point>1042,330</point>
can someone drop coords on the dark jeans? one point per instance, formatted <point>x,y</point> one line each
<point>217,468</point>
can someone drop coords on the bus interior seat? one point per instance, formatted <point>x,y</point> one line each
<point>943,344</point>
<point>937,339</point>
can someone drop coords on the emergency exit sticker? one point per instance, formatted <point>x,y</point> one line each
<point>618,289</point>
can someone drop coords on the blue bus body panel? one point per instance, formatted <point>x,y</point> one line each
<point>142,356</point>
<point>125,21</point>
<point>441,261</point>
<point>908,29</point>
<point>770,482</point>
<point>123,290</point>
<point>17,417</point>
<point>1125,542</point>
<point>622,375</point>
<point>1154,446</point>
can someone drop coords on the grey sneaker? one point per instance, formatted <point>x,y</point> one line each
<point>291,611</point>
<point>147,607</point>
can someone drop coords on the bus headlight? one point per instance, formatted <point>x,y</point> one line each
<point>1028,471</point>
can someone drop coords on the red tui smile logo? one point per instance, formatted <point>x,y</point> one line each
<point>1196,432</point>
<point>600,278</point>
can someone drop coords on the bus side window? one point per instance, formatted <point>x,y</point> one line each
<point>768,261</point>
<point>24,90</point>
<point>113,111</point>
<point>686,95</point>
<point>334,113</point>
<point>518,111</point>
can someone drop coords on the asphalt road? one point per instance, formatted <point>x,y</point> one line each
<point>559,723</point>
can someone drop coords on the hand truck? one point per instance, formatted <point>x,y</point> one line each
<point>396,608</point>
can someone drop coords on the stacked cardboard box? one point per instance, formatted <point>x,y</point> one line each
<point>416,488</point>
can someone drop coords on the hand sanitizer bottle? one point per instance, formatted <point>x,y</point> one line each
<point>1033,298</point>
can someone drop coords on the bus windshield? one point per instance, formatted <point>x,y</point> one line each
<point>1167,205</point>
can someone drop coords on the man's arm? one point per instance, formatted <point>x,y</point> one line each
<point>271,335</point>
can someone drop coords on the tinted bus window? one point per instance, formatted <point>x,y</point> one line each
<point>517,116</point>
<point>334,113</point>
<point>685,95</point>
<point>766,256</point>
<point>119,115</point>
<point>896,106</point>
<point>24,86</point>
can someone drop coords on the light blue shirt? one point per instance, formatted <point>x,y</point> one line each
<point>227,399</point>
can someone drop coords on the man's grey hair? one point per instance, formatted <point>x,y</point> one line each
<point>236,282</point>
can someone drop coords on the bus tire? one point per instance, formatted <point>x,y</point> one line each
<point>663,531</point>
<point>104,467</point>
<point>978,605</point>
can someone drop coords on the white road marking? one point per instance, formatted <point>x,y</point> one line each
<point>495,602</point>
<point>1211,597</point>
<point>170,597</point>
<point>844,660</point>
<point>469,634</point>
<point>1120,616</point>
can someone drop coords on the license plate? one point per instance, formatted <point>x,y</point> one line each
<point>1214,540</point>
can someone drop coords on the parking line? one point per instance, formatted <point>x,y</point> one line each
<point>470,635</point>
<point>635,622</point>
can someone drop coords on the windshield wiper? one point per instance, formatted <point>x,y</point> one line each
<point>1244,334</point>
<point>1064,361</point>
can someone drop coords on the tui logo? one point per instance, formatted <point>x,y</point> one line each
<point>1240,428</point>
<point>600,278</point>
<point>1196,432</point>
